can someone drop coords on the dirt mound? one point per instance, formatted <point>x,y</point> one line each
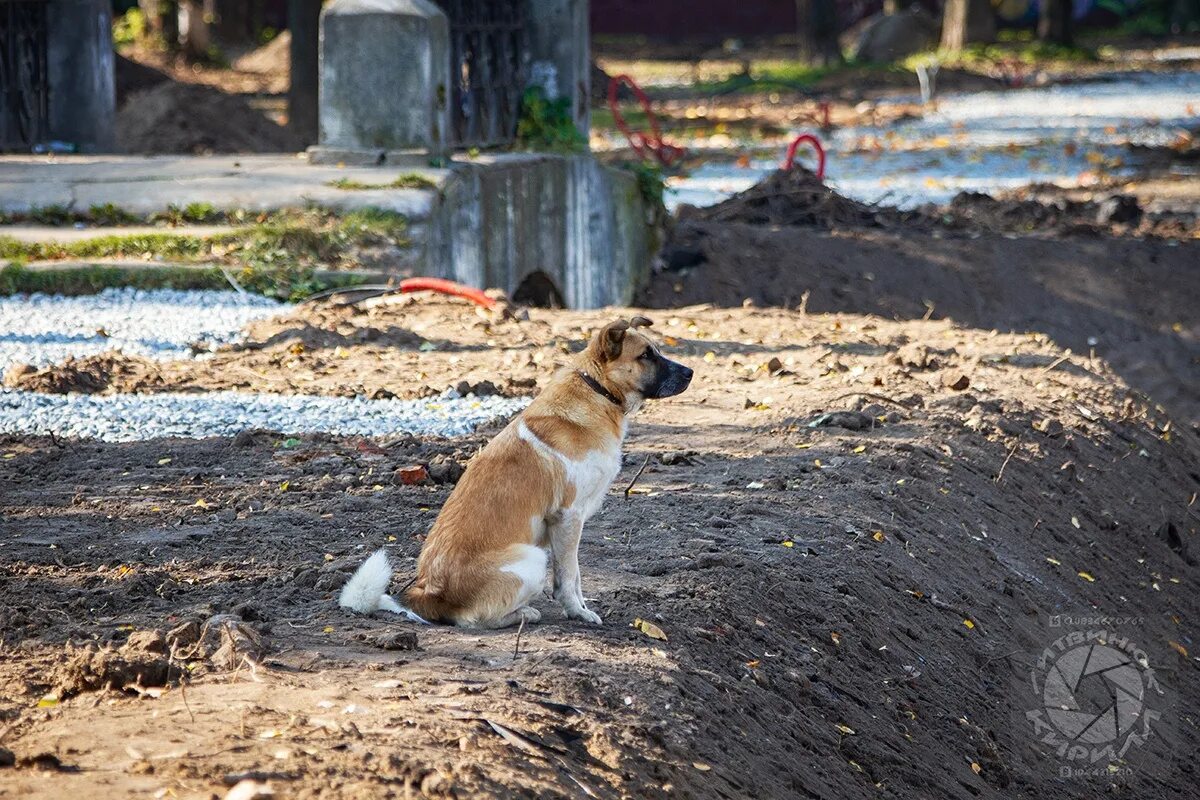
<point>142,662</point>
<point>793,197</point>
<point>191,118</point>
<point>273,58</point>
<point>133,76</point>
<point>85,375</point>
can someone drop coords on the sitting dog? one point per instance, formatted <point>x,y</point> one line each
<point>524,499</point>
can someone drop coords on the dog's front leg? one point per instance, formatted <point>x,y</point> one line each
<point>565,534</point>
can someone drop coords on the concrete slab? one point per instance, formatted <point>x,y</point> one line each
<point>259,183</point>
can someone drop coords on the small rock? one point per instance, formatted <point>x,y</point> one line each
<point>956,381</point>
<point>7,759</point>
<point>410,476</point>
<point>243,439</point>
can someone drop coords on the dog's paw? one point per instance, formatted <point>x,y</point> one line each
<point>529,614</point>
<point>587,615</point>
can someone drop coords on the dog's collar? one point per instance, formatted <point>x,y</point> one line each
<point>600,390</point>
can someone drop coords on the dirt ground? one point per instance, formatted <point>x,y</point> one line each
<point>849,603</point>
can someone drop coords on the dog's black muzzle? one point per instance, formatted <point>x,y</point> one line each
<point>670,378</point>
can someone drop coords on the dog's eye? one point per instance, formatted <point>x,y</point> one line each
<point>646,355</point>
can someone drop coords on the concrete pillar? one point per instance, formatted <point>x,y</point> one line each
<point>79,65</point>
<point>385,78</point>
<point>560,53</point>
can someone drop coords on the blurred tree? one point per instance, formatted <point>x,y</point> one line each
<point>162,20</point>
<point>1054,21</point>
<point>967,21</point>
<point>304,18</point>
<point>817,32</point>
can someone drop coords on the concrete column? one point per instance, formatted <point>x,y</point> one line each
<point>560,53</point>
<point>80,63</point>
<point>385,77</point>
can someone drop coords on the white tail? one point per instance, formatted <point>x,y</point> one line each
<point>366,591</point>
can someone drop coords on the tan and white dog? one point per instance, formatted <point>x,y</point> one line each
<point>524,499</point>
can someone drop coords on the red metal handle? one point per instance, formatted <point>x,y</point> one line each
<point>806,138</point>
<point>667,154</point>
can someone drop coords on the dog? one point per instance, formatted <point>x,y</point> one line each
<point>522,503</point>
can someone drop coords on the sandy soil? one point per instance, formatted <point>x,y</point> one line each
<point>850,604</point>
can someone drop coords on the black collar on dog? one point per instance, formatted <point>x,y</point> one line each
<point>600,390</point>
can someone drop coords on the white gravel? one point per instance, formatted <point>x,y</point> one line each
<point>44,329</point>
<point>134,417</point>
<point>167,324</point>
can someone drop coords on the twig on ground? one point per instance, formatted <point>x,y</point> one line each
<point>636,475</point>
<point>1007,458</point>
<point>517,647</point>
<point>1055,363</point>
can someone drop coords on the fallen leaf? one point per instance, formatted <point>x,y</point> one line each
<point>753,664</point>
<point>788,543</point>
<point>878,536</point>
<point>10,455</point>
<point>164,461</point>
<point>836,637</point>
<point>862,448</point>
<point>700,765</point>
<point>1087,577</point>
<point>1054,561</point>
<point>976,768</point>
<point>201,503</point>
<point>283,487</point>
<point>48,701</point>
<point>650,629</point>
<point>327,629</point>
<point>1075,521</point>
<point>846,729</point>
<point>970,625</point>
<point>289,442</point>
<point>1178,648</point>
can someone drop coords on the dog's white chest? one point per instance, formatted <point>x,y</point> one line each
<point>590,476</point>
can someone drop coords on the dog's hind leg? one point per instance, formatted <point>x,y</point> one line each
<point>504,597</point>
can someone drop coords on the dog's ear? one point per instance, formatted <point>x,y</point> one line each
<point>611,338</point>
<point>640,322</point>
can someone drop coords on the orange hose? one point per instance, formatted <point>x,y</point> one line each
<point>451,288</point>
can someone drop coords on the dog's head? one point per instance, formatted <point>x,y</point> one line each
<point>632,364</point>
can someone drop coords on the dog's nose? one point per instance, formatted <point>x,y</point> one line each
<point>687,373</point>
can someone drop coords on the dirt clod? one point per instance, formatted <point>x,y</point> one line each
<point>141,661</point>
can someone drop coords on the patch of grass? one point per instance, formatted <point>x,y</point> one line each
<point>410,180</point>
<point>650,182</point>
<point>1027,51</point>
<point>768,75</point>
<point>276,256</point>
<point>52,215</point>
<point>547,125</point>
<point>110,215</point>
<point>287,284</point>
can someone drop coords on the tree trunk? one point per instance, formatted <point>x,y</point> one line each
<point>817,32</point>
<point>966,22</point>
<point>162,20</point>
<point>1054,21</point>
<point>304,17</point>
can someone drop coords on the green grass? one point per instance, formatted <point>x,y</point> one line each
<point>1015,48</point>
<point>768,75</point>
<point>409,180</point>
<point>275,256</point>
<point>282,283</point>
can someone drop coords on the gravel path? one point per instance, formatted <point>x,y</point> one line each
<point>134,417</point>
<point>162,323</point>
<point>167,324</point>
